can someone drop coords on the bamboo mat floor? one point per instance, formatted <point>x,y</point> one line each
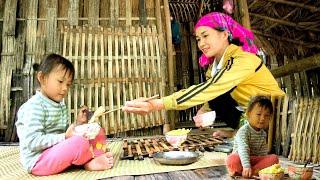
<point>10,167</point>
<point>9,154</point>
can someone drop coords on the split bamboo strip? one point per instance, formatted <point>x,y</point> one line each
<point>284,127</point>
<point>144,119</point>
<point>278,126</point>
<point>51,26</point>
<point>132,117</point>
<point>311,130</point>
<point>136,74</point>
<point>82,64</point>
<point>124,85</point>
<point>149,57</point>
<point>93,13</point>
<point>70,37</point>
<point>96,71</point>
<point>110,85</point>
<point>271,126</point>
<point>89,69</point>
<point>159,118</point>
<point>76,94</point>
<point>299,104</point>
<point>118,96</point>
<point>128,13</point>
<point>316,136</point>
<point>73,12</point>
<point>300,129</point>
<point>102,74</point>
<point>304,129</point>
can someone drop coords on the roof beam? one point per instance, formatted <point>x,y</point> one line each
<point>302,43</point>
<point>297,66</point>
<point>296,25</point>
<point>296,4</point>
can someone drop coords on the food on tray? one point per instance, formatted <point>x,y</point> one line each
<point>178,132</point>
<point>274,169</point>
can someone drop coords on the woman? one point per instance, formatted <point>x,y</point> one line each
<point>234,74</point>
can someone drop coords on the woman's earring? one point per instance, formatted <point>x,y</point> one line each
<point>229,37</point>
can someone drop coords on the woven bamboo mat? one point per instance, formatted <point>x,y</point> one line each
<point>10,167</point>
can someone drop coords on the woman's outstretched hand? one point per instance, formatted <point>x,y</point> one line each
<point>143,107</point>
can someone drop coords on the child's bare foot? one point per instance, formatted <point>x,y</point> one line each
<point>102,162</point>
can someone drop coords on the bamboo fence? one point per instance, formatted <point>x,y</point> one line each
<point>114,65</point>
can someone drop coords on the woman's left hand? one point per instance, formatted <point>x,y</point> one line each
<point>143,107</point>
<point>82,115</point>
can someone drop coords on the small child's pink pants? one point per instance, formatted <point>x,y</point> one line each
<point>75,150</point>
<point>234,165</point>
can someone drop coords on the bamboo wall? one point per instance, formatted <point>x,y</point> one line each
<point>30,31</point>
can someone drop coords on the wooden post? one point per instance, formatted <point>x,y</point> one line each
<point>244,13</point>
<point>170,54</point>
<point>7,66</point>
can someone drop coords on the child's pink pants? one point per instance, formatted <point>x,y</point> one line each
<point>73,151</point>
<point>257,163</point>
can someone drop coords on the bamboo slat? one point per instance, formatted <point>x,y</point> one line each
<point>316,136</point>
<point>73,12</point>
<point>118,95</point>
<point>278,126</point>
<point>305,135</point>
<point>51,25</point>
<point>136,92</point>
<point>128,12</point>
<point>94,8</point>
<point>7,63</point>
<point>110,85</point>
<point>133,64</point>
<point>284,127</point>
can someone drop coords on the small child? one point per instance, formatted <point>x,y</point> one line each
<point>47,145</point>
<point>250,145</point>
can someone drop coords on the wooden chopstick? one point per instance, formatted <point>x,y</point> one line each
<point>117,109</point>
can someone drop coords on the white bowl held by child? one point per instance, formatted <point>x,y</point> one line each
<point>205,119</point>
<point>90,130</point>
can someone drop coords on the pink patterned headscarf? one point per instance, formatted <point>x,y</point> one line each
<point>223,22</point>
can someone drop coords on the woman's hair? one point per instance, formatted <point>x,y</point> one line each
<point>51,62</point>
<point>262,101</point>
<point>231,40</point>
